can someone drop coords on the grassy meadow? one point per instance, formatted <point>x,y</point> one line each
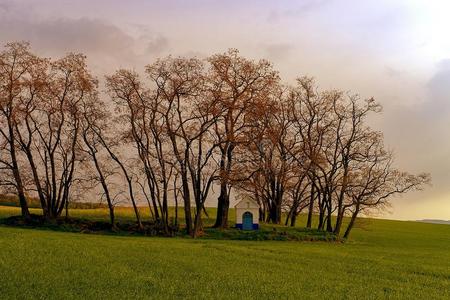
<point>382,259</point>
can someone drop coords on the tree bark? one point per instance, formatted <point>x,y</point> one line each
<point>352,222</point>
<point>222,207</point>
<point>105,190</point>
<point>15,170</point>
<point>187,201</point>
<point>329,212</point>
<point>310,207</point>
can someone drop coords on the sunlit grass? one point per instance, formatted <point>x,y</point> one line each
<point>384,259</point>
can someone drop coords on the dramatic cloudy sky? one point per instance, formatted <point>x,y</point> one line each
<point>397,51</point>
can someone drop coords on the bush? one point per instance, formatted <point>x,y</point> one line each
<point>88,226</point>
<point>33,202</point>
<point>270,234</point>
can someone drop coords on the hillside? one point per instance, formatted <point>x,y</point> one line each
<point>434,221</point>
<point>393,259</point>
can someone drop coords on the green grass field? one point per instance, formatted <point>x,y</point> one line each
<point>383,259</point>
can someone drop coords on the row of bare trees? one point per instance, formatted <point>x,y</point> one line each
<point>169,137</point>
<point>315,152</point>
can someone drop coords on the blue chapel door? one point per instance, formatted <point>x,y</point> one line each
<point>247,221</point>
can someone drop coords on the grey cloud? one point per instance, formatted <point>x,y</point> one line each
<point>306,6</point>
<point>157,44</point>
<point>439,88</point>
<point>194,54</point>
<point>393,72</point>
<point>434,108</point>
<point>64,35</point>
<point>6,6</point>
<point>303,7</point>
<point>278,51</point>
<point>106,45</point>
<point>420,132</point>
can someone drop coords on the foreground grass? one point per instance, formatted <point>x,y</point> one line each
<point>384,259</point>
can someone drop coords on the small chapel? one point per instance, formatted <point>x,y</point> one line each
<point>247,214</point>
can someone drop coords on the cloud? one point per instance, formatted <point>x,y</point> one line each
<point>302,8</point>
<point>5,6</point>
<point>439,90</point>
<point>420,134</point>
<point>393,72</point>
<point>278,51</point>
<point>66,35</point>
<point>106,45</point>
<point>157,45</point>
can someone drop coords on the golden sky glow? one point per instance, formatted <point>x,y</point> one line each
<point>397,51</point>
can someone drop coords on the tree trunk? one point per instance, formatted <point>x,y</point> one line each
<point>222,207</point>
<point>321,224</point>
<point>310,207</point>
<point>293,219</point>
<point>187,201</point>
<point>67,209</point>
<point>127,177</point>
<point>262,214</point>
<point>340,211</point>
<point>352,222</point>
<point>198,226</point>
<point>135,208</point>
<point>339,219</point>
<point>37,183</point>
<point>175,195</point>
<point>329,212</point>
<point>288,217</point>
<point>15,170</point>
<point>105,190</point>
<point>275,213</point>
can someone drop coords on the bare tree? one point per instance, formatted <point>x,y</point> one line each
<point>374,181</point>
<point>110,144</point>
<point>188,113</point>
<point>140,112</point>
<point>50,134</point>
<point>310,116</point>
<point>94,120</point>
<point>16,63</point>
<point>240,88</point>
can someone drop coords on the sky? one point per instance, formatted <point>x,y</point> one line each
<point>396,51</point>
